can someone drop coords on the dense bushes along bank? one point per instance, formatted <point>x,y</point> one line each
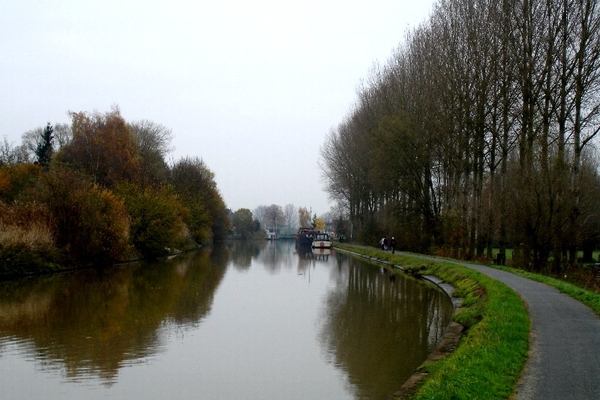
<point>105,195</point>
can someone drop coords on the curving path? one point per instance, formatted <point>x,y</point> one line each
<point>564,360</point>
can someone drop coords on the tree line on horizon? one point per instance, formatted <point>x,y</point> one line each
<point>99,190</point>
<point>479,133</point>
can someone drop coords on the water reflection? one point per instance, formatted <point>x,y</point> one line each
<point>93,322</point>
<point>273,255</point>
<point>220,324</point>
<point>379,326</point>
<point>244,251</point>
<point>308,257</point>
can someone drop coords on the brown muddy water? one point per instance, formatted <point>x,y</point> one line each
<point>245,320</point>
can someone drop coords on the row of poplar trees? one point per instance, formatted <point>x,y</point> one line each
<point>479,133</point>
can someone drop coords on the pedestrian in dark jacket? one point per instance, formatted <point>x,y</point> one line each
<point>393,244</point>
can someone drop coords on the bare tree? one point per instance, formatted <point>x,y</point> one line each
<point>274,217</point>
<point>12,155</point>
<point>475,131</point>
<point>290,216</point>
<point>30,140</point>
<point>586,109</point>
<point>62,136</point>
<point>153,141</point>
<point>259,214</point>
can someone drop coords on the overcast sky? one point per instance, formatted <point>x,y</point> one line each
<point>251,87</point>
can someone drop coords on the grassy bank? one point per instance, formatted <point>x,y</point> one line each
<point>586,297</point>
<point>493,349</point>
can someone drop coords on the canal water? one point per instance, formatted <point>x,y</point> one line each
<point>245,320</point>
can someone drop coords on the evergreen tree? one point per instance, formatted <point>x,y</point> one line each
<point>44,148</point>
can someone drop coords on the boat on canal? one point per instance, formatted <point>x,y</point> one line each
<point>304,237</point>
<point>321,240</point>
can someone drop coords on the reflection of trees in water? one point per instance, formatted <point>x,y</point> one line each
<point>244,251</point>
<point>277,253</point>
<point>272,254</point>
<point>378,329</point>
<point>92,322</point>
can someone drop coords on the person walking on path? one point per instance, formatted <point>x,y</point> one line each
<point>393,244</point>
<point>564,355</point>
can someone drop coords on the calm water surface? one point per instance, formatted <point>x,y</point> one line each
<point>256,320</point>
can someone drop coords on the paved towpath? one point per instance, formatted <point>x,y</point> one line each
<point>564,343</point>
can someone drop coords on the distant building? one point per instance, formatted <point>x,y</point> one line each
<point>271,234</point>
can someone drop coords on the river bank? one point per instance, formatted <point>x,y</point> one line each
<point>493,348</point>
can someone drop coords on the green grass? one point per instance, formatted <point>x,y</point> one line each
<point>492,354</point>
<point>587,297</point>
<point>493,349</point>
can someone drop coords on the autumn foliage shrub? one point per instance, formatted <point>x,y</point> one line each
<point>26,239</point>
<point>105,195</point>
<point>197,190</point>
<point>18,181</point>
<point>157,226</point>
<point>102,147</point>
<point>92,224</point>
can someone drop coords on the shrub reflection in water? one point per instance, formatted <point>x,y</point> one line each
<point>244,319</point>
